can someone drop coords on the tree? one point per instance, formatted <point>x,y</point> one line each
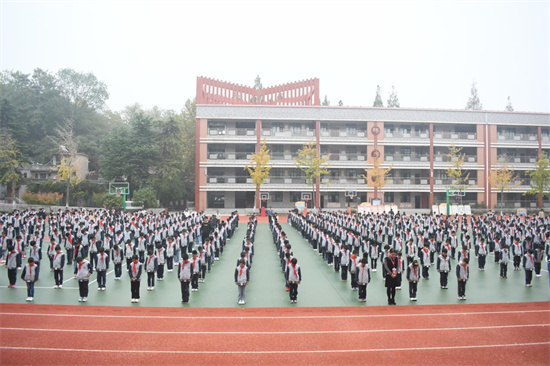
<point>145,197</point>
<point>455,172</point>
<point>83,89</point>
<point>393,101</point>
<point>540,179</point>
<point>313,166</point>
<point>377,176</point>
<point>474,102</point>
<point>326,101</point>
<point>66,170</point>
<point>340,103</point>
<point>378,99</point>
<point>503,178</point>
<point>259,168</point>
<point>9,162</point>
<point>509,106</point>
<point>258,86</point>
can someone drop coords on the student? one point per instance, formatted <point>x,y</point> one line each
<point>117,260</point>
<point>462,275</point>
<point>83,271</point>
<point>293,278</point>
<point>170,252</point>
<point>362,276</point>
<point>481,254</point>
<point>161,261</point>
<point>35,252</point>
<point>400,270</point>
<point>11,265</point>
<point>58,263</point>
<point>195,265</point>
<point>517,252</point>
<point>353,267</point>
<point>504,259</point>
<point>102,265</point>
<point>242,276</point>
<point>135,277</point>
<point>344,263</point>
<point>185,273</point>
<point>539,257</point>
<point>426,263</point>
<point>390,269</point>
<point>529,267</point>
<point>151,267</point>
<point>443,267</point>
<point>29,276</point>
<point>413,276</point>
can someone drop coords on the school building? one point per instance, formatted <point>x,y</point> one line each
<point>232,121</point>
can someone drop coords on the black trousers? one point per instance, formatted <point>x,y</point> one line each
<point>83,288</point>
<point>170,262</point>
<point>195,280</point>
<point>150,279</point>
<point>293,290</point>
<point>517,260</point>
<point>503,269</point>
<point>101,279</point>
<point>390,291</point>
<point>413,286</point>
<point>461,288</point>
<point>353,282</point>
<point>185,291</point>
<point>362,292</point>
<point>344,273</point>
<point>118,270</point>
<point>443,277</point>
<point>481,261</point>
<point>426,271</point>
<point>12,275</point>
<point>537,267</point>
<point>134,288</point>
<point>528,276</point>
<point>160,271</point>
<point>58,276</point>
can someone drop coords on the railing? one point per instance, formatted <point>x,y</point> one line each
<point>338,133</point>
<point>446,158</point>
<point>455,135</point>
<point>230,156</point>
<point>517,137</point>
<point>408,181</point>
<point>347,157</point>
<point>413,157</point>
<point>402,134</point>
<point>519,159</point>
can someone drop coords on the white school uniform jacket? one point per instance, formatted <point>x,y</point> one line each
<point>161,255</point>
<point>58,260</point>
<point>102,262</point>
<point>344,257</point>
<point>242,275</point>
<point>293,273</point>
<point>117,256</point>
<point>29,272</point>
<point>362,274</point>
<point>443,264</point>
<point>151,264</point>
<point>413,273</point>
<point>83,270</point>
<point>185,271</point>
<point>504,256</point>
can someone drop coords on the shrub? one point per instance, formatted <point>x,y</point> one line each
<point>112,202</point>
<point>48,199</point>
<point>146,197</point>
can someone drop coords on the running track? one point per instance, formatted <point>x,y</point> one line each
<point>480,334</point>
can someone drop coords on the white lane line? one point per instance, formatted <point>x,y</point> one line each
<point>241,352</point>
<point>276,332</point>
<point>454,314</point>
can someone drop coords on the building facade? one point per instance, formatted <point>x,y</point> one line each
<point>414,142</point>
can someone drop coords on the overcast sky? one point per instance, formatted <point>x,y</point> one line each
<point>151,52</point>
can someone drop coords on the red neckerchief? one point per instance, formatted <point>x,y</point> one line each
<point>134,268</point>
<point>241,271</point>
<point>55,257</point>
<point>80,265</point>
<point>415,269</point>
<point>392,261</point>
<point>295,273</point>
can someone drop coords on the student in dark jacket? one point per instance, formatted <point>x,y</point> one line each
<point>390,268</point>
<point>135,277</point>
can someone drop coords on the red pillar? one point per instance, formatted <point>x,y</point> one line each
<point>258,146</point>
<point>197,163</point>
<point>431,200</point>
<point>488,165</point>
<point>539,137</point>
<point>318,180</point>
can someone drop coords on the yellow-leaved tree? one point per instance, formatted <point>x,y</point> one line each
<point>259,168</point>
<point>377,176</point>
<point>503,179</point>
<point>313,165</point>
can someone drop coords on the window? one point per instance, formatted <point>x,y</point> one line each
<point>278,127</point>
<point>334,197</point>
<point>216,128</point>
<point>296,128</point>
<point>295,196</point>
<point>351,150</point>
<point>324,127</point>
<point>352,173</point>
<point>276,196</point>
<point>351,129</point>
<point>389,150</point>
<point>406,151</point>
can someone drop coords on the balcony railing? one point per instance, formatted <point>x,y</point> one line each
<point>517,137</point>
<point>230,156</point>
<point>347,157</point>
<point>408,181</point>
<point>406,135</point>
<point>412,157</point>
<point>338,133</point>
<point>455,135</point>
<point>446,158</point>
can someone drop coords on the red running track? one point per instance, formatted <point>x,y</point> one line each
<point>480,334</point>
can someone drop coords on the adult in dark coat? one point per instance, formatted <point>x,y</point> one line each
<point>391,264</point>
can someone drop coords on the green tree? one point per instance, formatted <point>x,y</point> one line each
<point>313,166</point>
<point>145,197</point>
<point>378,99</point>
<point>9,162</point>
<point>540,179</point>
<point>258,168</point>
<point>326,101</point>
<point>66,170</point>
<point>503,178</point>
<point>474,102</point>
<point>509,106</point>
<point>393,100</point>
<point>456,172</point>
<point>340,103</point>
<point>83,90</point>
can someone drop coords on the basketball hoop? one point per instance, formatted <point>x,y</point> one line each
<point>118,194</point>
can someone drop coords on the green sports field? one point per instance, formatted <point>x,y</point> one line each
<point>321,285</point>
